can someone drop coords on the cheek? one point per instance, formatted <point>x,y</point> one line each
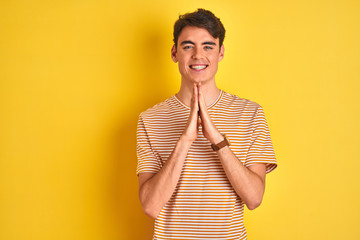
<point>214,60</point>
<point>182,66</point>
<point>183,63</point>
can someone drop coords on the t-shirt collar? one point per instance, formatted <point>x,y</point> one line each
<point>211,105</point>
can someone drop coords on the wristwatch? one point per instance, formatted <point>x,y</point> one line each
<point>223,143</point>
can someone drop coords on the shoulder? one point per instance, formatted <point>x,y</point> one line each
<point>235,102</point>
<point>158,110</point>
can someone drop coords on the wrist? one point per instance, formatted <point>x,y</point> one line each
<point>221,144</point>
<point>218,137</point>
<point>186,140</point>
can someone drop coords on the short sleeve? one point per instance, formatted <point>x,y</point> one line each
<point>147,160</point>
<point>261,149</point>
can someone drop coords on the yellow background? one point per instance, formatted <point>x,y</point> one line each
<point>76,74</point>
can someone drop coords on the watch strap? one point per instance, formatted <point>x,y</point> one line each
<point>223,143</point>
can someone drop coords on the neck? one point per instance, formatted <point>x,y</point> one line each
<point>209,89</point>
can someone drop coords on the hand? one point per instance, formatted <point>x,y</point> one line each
<point>192,127</point>
<point>208,128</point>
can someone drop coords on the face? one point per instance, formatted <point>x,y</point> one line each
<point>197,54</point>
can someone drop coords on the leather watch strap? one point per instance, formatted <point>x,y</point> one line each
<point>223,143</point>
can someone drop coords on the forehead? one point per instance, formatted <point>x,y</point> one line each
<point>196,34</point>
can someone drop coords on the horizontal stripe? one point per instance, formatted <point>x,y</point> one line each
<point>204,205</point>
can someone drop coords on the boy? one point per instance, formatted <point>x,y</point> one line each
<point>203,153</point>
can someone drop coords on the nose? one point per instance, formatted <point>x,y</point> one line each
<point>197,53</point>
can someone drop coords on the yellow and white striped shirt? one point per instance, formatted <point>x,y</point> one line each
<point>204,205</point>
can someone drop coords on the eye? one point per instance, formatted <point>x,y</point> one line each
<point>187,47</point>
<point>208,47</point>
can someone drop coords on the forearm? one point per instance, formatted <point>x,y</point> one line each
<point>247,184</point>
<point>157,190</point>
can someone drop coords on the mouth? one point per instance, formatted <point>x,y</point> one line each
<point>198,67</point>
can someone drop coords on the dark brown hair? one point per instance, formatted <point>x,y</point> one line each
<point>203,19</point>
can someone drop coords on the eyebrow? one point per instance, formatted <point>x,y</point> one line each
<point>209,43</point>
<point>191,42</point>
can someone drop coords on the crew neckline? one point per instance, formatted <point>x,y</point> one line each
<point>208,108</point>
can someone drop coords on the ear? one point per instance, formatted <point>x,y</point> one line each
<point>222,50</point>
<point>174,54</point>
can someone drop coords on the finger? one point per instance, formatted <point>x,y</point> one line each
<point>204,114</point>
<point>194,103</point>
<point>196,97</point>
<point>202,104</point>
<point>198,91</point>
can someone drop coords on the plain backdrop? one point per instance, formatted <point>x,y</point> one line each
<point>75,75</point>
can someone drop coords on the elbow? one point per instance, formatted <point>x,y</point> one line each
<point>149,205</point>
<point>150,212</point>
<point>252,206</point>
<point>254,203</point>
<point>148,208</point>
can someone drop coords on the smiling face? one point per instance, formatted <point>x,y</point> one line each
<point>198,54</point>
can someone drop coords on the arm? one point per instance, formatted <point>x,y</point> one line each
<point>248,182</point>
<point>155,190</point>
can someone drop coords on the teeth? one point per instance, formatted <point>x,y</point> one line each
<point>198,67</point>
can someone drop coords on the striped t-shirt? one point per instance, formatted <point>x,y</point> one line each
<point>204,205</point>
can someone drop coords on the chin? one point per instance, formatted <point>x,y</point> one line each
<point>198,80</point>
